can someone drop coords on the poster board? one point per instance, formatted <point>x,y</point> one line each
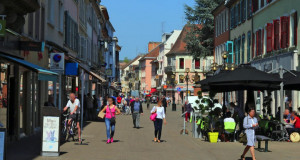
<point>2,143</point>
<point>50,137</point>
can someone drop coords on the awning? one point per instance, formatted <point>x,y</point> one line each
<point>43,74</point>
<point>153,90</point>
<point>92,73</point>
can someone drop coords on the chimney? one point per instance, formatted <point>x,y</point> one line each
<point>152,45</point>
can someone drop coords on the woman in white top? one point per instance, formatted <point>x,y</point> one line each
<point>159,110</point>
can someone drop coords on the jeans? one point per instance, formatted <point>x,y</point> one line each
<point>136,118</point>
<point>110,128</point>
<point>158,128</point>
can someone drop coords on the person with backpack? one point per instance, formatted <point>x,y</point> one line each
<point>110,118</point>
<point>160,119</point>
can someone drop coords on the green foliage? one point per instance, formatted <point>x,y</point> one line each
<point>200,41</point>
<point>126,60</point>
<point>212,94</point>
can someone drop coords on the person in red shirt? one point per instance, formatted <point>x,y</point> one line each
<point>119,99</point>
<point>296,120</point>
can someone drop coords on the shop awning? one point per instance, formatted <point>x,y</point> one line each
<point>92,73</point>
<point>153,90</point>
<point>43,74</point>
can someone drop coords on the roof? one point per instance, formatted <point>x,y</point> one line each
<point>122,64</point>
<point>136,58</point>
<point>179,46</point>
<point>152,54</point>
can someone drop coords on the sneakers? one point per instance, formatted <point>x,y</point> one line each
<point>108,141</point>
<point>111,140</point>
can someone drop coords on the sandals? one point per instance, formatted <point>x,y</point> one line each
<point>155,139</point>
<point>242,157</point>
<point>158,141</point>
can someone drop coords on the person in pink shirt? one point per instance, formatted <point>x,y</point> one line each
<point>110,112</point>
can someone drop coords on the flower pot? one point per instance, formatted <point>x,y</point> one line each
<point>213,137</point>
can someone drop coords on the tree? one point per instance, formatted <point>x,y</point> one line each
<point>126,60</point>
<point>200,40</point>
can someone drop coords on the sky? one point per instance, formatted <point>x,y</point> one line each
<point>138,22</point>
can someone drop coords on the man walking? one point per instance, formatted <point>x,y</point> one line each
<point>136,110</point>
<point>148,102</point>
<point>164,103</point>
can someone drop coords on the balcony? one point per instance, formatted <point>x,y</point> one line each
<point>170,69</point>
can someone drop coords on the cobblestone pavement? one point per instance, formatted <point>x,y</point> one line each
<point>137,144</point>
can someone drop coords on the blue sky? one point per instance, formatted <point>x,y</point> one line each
<point>139,21</point>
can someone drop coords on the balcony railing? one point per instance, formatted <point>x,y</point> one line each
<point>170,69</point>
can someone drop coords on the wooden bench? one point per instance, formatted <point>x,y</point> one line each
<point>260,138</point>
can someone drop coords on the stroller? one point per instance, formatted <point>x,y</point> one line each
<point>278,131</point>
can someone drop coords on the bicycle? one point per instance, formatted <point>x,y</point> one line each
<point>68,131</point>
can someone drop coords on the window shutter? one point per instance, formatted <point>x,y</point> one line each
<point>276,34</point>
<point>253,44</point>
<point>269,37</point>
<point>288,31</point>
<point>283,21</point>
<point>262,41</point>
<point>295,28</point>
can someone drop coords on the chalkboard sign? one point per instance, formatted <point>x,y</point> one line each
<point>50,139</point>
<point>2,143</point>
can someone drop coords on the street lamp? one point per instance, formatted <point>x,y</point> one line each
<point>173,83</point>
<point>188,79</point>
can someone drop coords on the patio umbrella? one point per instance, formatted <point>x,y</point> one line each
<point>291,82</point>
<point>245,77</point>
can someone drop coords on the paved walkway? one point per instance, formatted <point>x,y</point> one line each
<point>137,144</point>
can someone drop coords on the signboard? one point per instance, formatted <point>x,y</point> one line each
<point>2,27</point>
<point>32,46</point>
<point>71,69</point>
<point>50,134</point>
<point>178,89</point>
<point>2,144</point>
<point>57,61</point>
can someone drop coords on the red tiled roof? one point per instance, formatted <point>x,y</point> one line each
<point>137,57</point>
<point>152,54</point>
<point>179,46</point>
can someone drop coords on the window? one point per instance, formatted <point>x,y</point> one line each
<point>226,20</point>
<point>249,8</point>
<point>71,34</point>
<point>253,44</point>
<point>249,47</point>
<point>197,63</point>
<point>232,18</point>
<point>61,17</point>
<point>239,50</point>
<point>181,63</point>
<point>285,28</point>
<point>30,24</point>
<point>236,15</point>
<point>236,51</point>
<point>181,79</point>
<point>259,42</point>
<point>276,34</point>
<point>239,12</point>
<point>37,24</point>
<point>262,3</point>
<point>254,6</point>
<point>243,49</point>
<point>244,10</point>
<point>269,36</point>
<point>43,24</point>
<point>51,12</point>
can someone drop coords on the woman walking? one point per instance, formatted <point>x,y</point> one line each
<point>250,124</point>
<point>110,119</point>
<point>160,118</point>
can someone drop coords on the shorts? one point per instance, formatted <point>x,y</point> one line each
<point>75,117</point>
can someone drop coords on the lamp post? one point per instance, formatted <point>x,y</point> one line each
<point>188,79</point>
<point>173,83</point>
<point>225,66</point>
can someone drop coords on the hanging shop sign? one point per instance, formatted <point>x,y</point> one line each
<point>57,61</point>
<point>71,69</point>
<point>32,46</point>
<point>2,27</point>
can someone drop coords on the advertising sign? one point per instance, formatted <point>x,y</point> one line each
<point>50,134</point>
<point>2,28</point>
<point>32,46</point>
<point>57,61</point>
<point>71,69</point>
<point>2,144</point>
<point>178,89</point>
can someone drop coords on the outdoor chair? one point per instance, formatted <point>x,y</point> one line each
<point>230,130</point>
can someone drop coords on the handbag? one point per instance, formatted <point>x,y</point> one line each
<point>153,117</point>
<point>101,115</point>
<point>243,136</point>
<point>112,119</point>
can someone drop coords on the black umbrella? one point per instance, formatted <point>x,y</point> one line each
<point>291,82</point>
<point>245,77</point>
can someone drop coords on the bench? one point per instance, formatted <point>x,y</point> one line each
<point>263,138</point>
